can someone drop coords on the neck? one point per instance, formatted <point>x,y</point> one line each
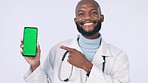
<point>93,36</point>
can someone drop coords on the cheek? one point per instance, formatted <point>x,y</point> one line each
<point>79,19</point>
<point>96,18</point>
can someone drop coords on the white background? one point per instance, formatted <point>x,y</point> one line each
<point>125,26</point>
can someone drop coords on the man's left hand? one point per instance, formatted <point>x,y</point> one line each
<point>77,59</point>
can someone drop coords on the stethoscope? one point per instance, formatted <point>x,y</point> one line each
<point>59,71</point>
<point>68,78</point>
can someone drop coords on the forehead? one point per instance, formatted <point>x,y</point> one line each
<point>86,5</point>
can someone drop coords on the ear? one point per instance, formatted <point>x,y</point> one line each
<point>75,20</point>
<point>102,18</point>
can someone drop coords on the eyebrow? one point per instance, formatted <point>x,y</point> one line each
<point>81,10</point>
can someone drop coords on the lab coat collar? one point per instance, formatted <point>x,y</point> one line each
<point>104,49</point>
<point>74,44</point>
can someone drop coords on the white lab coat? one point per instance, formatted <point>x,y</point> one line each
<point>116,66</point>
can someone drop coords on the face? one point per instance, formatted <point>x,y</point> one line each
<point>88,18</point>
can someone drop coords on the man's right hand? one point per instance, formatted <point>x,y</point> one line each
<point>33,61</point>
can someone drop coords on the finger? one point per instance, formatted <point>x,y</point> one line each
<point>69,56</point>
<point>38,47</point>
<point>67,48</point>
<point>21,52</point>
<point>68,60</point>
<point>38,50</point>
<point>21,40</point>
<point>21,45</point>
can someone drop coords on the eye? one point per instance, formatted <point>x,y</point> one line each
<point>80,14</point>
<point>94,12</point>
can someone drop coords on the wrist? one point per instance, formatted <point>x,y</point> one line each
<point>88,73</point>
<point>87,67</point>
<point>33,67</point>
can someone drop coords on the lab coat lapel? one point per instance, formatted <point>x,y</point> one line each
<point>102,51</point>
<point>74,44</point>
<point>97,60</point>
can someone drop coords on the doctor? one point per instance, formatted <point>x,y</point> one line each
<point>84,59</point>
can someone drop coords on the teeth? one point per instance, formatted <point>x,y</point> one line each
<point>88,23</point>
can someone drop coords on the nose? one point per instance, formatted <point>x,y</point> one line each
<point>87,16</point>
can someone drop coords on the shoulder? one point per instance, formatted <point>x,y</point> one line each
<point>116,54</point>
<point>114,48</point>
<point>115,51</point>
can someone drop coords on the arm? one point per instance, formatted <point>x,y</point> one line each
<point>36,74</point>
<point>41,75</point>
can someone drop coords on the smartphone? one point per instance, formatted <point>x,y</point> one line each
<point>30,41</point>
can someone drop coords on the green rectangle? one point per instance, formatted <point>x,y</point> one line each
<point>29,41</point>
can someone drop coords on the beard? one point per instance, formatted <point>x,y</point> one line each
<point>84,33</point>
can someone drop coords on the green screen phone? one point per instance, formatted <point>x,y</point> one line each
<point>30,41</point>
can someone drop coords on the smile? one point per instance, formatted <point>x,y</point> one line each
<point>88,23</point>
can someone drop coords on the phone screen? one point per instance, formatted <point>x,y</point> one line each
<point>29,41</point>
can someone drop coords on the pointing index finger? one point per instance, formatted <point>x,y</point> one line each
<point>67,48</point>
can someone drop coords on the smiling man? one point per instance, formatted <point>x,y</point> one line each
<point>86,58</point>
<point>88,18</point>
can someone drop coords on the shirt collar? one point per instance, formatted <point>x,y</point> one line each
<point>89,43</point>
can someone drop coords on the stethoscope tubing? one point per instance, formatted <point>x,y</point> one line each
<point>59,71</point>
